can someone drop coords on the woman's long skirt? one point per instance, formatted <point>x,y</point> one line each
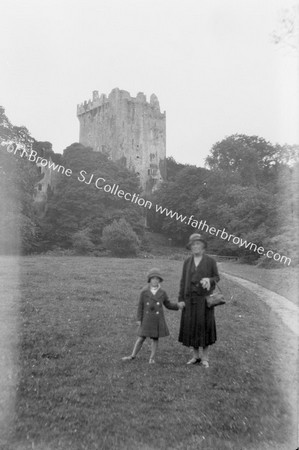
<point>198,327</point>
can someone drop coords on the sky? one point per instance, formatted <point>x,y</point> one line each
<point>212,64</point>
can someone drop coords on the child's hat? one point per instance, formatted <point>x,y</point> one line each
<point>154,273</point>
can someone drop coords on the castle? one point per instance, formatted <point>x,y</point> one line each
<point>128,129</point>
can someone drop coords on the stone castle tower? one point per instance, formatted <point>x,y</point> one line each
<point>127,128</point>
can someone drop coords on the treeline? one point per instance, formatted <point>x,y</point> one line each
<point>250,187</point>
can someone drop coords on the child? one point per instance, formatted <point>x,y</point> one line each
<point>150,314</point>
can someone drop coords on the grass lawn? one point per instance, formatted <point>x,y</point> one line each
<point>76,321</point>
<point>283,281</point>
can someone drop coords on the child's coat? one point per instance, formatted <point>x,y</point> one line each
<point>150,313</point>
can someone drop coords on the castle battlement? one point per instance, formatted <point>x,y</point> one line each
<point>127,128</point>
<point>117,95</point>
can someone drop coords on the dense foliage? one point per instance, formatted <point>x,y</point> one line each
<point>77,204</point>
<point>250,188</point>
<point>18,177</point>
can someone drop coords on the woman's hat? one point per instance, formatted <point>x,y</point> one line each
<point>154,273</point>
<point>196,237</point>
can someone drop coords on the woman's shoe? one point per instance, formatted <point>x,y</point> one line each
<point>194,361</point>
<point>128,358</point>
<point>205,364</point>
<point>151,361</point>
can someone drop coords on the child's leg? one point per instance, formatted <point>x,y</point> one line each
<point>138,345</point>
<point>154,347</point>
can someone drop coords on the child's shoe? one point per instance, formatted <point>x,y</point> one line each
<point>152,361</point>
<point>205,364</point>
<point>128,358</point>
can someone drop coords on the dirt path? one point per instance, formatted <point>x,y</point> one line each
<point>284,281</point>
<point>286,310</point>
<point>284,319</point>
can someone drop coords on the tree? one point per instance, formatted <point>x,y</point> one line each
<point>173,168</point>
<point>81,242</point>
<point>286,33</point>
<point>18,177</point>
<point>120,238</point>
<point>179,196</point>
<point>252,159</point>
<point>260,201</point>
<point>44,150</point>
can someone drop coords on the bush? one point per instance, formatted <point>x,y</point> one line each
<point>146,245</point>
<point>120,238</point>
<point>82,243</point>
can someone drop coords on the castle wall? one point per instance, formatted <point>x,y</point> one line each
<point>49,179</point>
<point>123,126</point>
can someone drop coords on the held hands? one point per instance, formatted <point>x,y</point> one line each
<point>138,322</point>
<point>181,305</point>
<point>206,284</point>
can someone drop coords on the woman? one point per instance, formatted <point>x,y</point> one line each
<point>199,277</point>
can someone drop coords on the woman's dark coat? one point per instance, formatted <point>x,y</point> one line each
<point>150,313</point>
<point>197,327</point>
<point>209,270</point>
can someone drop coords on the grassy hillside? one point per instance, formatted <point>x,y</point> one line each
<point>77,319</point>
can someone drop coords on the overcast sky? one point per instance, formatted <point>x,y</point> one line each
<point>211,63</point>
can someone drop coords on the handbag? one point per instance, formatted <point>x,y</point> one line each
<point>215,299</point>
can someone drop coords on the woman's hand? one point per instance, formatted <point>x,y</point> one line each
<point>138,322</point>
<point>181,305</point>
<point>206,284</point>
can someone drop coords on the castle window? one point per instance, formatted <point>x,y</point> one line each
<point>39,186</point>
<point>138,157</point>
<point>152,172</point>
